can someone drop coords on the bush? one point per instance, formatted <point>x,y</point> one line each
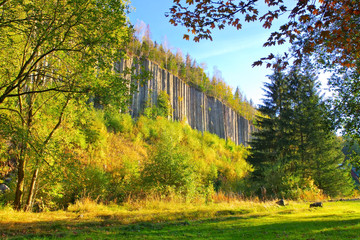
<point>87,182</point>
<point>161,109</point>
<point>168,169</point>
<point>125,181</point>
<point>164,105</point>
<point>118,122</point>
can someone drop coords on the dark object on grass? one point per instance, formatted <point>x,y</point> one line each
<point>316,204</point>
<point>281,202</point>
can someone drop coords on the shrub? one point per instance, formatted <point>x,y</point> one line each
<point>88,181</point>
<point>164,105</point>
<point>162,108</point>
<point>168,169</point>
<point>118,122</point>
<point>125,181</point>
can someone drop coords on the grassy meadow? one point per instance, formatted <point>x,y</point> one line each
<point>155,219</point>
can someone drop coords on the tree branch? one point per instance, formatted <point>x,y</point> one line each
<point>15,111</point>
<point>46,90</point>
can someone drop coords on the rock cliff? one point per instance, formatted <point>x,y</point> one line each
<point>202,112</point>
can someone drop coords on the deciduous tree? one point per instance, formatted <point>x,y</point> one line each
<point>49,52</point>
<point>320,17</point>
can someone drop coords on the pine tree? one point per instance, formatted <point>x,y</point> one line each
<point>294,146</point>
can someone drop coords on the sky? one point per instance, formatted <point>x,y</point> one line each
<point>231,51</point>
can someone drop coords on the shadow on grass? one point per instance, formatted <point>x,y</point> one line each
<point>224,225</point>
<point>10,229</point>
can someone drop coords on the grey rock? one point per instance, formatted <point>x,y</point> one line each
<point>281,202</point>
<point>201,112</point>
<point>316,204</point>
<point>4,188</point>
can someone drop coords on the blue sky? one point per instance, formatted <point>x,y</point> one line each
<point>231,51</point>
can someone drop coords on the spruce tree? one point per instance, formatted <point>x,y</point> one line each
<point>294,146</point>
<point>265,148</point>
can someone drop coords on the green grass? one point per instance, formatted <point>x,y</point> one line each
<point>240,220</point>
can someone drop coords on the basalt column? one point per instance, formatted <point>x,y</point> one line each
<point>202,112</point>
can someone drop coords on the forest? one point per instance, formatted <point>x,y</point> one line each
<point>66,134</point>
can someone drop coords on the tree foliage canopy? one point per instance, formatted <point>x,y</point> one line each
<point>50,51</point>
<point>294,148</point>
<point>330,23</point>
<point>58,40</point>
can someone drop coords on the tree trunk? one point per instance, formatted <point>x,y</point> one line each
<point>26,124</point>
<point>29,202</point>
<point>20,184</point>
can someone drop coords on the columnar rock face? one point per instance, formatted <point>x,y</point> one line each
<point>202,112</point>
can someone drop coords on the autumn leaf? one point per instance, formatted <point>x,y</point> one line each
<point>186,37</point>
<point>281,41</point>
<point>257,63</point>
<point>318,24</point>
<point>234,23</point>
<point>304,18</point>
<point>267,25</point>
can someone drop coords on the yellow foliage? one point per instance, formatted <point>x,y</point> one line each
<point>120,149</point>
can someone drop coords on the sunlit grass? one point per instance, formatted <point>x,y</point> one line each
<point>156,219</point>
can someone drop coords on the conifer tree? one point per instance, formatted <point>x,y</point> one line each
<point>295,147</point>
